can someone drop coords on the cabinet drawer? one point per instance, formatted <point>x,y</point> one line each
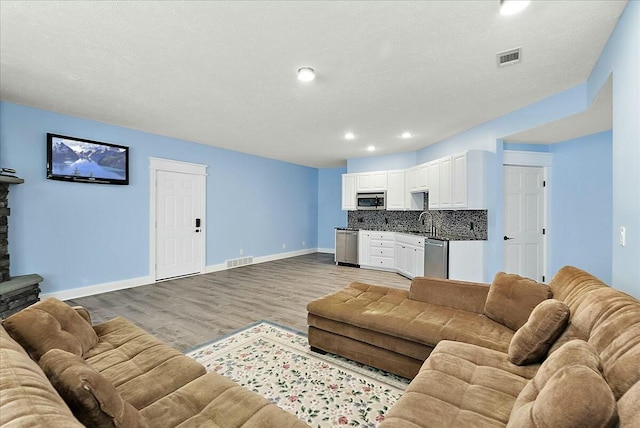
<point>382,262</point>
<point>381,251</point>
<point>383,236</point>
<point>377,243</point>
<point>416,241</point>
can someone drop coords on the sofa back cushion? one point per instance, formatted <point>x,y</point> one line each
<point>91,397</point>
<point>27,398</point>
<point>532,341</point>
<point>608,319</point>
<point>567,391</point>
<point>467,296</point>
<point>51,324</point>
<point>511,299</point>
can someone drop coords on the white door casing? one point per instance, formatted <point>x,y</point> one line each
<point>178,198</point>
<point>524,225</point>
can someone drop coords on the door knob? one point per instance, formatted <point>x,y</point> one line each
<point>506,238</point>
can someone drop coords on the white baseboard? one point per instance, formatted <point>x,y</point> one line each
<point>327,250</point>
<point>262,259</point>
<point>90,290</point>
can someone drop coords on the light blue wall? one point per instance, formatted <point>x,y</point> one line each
<point>381,163</point>
<point>621,56</point>
<point>330,214</point>
<point>580,196</point>
<point>76,235</point>
<point>525,147</point>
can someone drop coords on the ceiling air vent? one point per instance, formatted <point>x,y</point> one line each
<point>512,56</point>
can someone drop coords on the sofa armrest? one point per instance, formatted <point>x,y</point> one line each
<point>467,296</point>
<point>83,312</point>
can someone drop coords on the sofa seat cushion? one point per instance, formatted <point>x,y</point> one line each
<point>51,324</point>
<point>215,401</point>
<point>28,399</point>
<point>92,398</point>
<point>567,391</point>
<point>390,311</point>
<point>141,367</point>
<point>461,385</point>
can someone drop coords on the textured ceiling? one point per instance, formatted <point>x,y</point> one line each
<point>223,73</point>
<point>597,118</point>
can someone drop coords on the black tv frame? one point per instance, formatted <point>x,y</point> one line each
<point>83,179</point>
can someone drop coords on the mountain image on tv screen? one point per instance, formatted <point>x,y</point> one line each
<point>87,160</point>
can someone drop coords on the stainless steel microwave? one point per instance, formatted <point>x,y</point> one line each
<point>371,201</point>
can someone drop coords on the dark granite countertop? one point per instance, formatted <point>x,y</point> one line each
<point>441,236</point>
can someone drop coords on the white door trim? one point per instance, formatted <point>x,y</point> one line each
<point>159,164</point>
<point>543,160</point>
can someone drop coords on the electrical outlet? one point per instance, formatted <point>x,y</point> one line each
<point>284,246</point>
<point>623,237</point>
<point>304,243</point>
<point>241,251</point>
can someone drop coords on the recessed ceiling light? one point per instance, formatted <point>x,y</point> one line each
<point>306,74</point>
<point>511,7</point>
<point>406,135</point>
<point>349,136</point>
<point>371,148</point>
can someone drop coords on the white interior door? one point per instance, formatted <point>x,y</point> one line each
<point>179,224</point>
<point>523,249</point>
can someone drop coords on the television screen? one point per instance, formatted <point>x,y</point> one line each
<point>77,159</point>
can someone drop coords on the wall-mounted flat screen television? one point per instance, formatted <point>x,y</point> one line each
<point>87,161</point>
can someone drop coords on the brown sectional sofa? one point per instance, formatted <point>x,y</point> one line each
<point>59,370</point>
<point>444,335</point>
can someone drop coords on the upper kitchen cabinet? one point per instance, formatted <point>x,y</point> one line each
<point>349,192</point>
<point>434,184</point>
<point>418,178</point>
<point>399,197</point>
<point>458,181</point>
<point>371,181</point>
<point>396,196</point>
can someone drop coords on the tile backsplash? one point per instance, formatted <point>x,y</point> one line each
<point>471,224</point>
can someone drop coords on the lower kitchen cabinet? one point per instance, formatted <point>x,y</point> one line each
<point>409,255</point>
<point>404,253</point>
<point>376,250</point>
<point>466,260</point>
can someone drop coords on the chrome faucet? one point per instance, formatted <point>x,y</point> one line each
<point>430,220</point>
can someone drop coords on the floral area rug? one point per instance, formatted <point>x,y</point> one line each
<point>322,390</point>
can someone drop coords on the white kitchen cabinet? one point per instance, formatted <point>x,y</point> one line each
<point>371,181</point>
<point>434,184</point>
<point>349,192</point>
<point>400,258</point>
<point>445,183</point>
<point>469,171</point>
<point>364,244</point>
<point>409,255</point>
<point>396,191</point>
<point>381,250</point>
<point>458,181</point>
<point>466,260</point>
<point>418,180</point>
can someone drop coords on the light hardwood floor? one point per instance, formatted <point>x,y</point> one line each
<point>189,311</point>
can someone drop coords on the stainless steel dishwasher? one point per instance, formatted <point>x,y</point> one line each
<point>346,246</point>
<point>436,258</point>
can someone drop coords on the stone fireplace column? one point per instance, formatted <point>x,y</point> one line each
<point>21,291</point>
